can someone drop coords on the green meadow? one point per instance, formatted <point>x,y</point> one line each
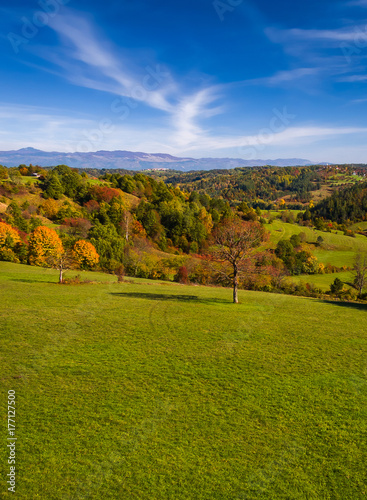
<point>146,390</point>
<point>359,225</point>
<point>323,281</point>
<point>336,249</point>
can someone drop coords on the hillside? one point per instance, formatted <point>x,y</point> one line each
<point>149,226</point>
<point>123,391</point>
<point>348,204</point>
<point>266,187</point>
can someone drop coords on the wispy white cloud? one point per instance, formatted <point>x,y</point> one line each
<point>189,108</point>
<point>313,36</point>
<point>353,78</point>
<point>359,101</point>
<point>88,60</point>
<point>50,130</point>
<point>286,137</point>
<point>307,79</point>
<point>357,3</point>
<point>43,128</point>
<point>100,68</point>
<point>283,77</point>
<point>326,54</point>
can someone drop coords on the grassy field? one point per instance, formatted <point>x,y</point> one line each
<point>359,225</point>
<point>341,179</point>
<point>323,281</point>
<point>28,180</point>
<point>336,249</point>
<point>160,391</point>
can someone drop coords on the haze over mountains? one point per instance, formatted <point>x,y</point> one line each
<point>134,160</point>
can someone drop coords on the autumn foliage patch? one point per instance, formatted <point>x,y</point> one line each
<point>85,254</point>
<point>103,193</point>
<point>43,243</point>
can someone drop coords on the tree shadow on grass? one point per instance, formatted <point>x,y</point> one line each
<point>349,284</point>
<point>352,305</point>
<point>172,297</point>
<point>29,280</point>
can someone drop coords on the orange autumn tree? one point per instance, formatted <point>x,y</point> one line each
<point>50,208</point>
<point>44,244</point>
<point>9,237</point>
<point>85,254</point>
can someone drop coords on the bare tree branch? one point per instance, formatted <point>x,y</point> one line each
<point>234,244</point>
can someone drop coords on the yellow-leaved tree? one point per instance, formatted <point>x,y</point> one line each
<point>9,237</point>
<point>85,254</point>
<point>50,208</point>
<point>44,243</point>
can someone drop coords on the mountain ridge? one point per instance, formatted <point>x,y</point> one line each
<point>130,160</point>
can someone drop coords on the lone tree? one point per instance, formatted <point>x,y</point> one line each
<point>234,245</point>
<point>63,261</point>
<point>360,272</point>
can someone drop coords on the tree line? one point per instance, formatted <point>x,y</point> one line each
<point>146,226</point>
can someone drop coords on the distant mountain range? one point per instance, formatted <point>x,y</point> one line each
<point>133,161</point>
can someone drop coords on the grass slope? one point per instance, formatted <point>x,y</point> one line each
<point>144,391</point>
<point>323,281</point>
<point>337,249</point>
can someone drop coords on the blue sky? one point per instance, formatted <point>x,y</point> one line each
<point>223,78</point>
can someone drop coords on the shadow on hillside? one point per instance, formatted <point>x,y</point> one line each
<point>352,305</point>
<point>173,297</point>
<point>349,284</point>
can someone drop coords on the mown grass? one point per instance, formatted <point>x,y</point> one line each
<point>341,179</point>
<point>323,281</point>
<point>145,391</point>
<point>359,225</point>
<point>26,180</point>
<point>97,182</point>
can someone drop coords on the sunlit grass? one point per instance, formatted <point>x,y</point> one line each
<point>336,249</point>
<point>323,281</point>
<point>151,391</point>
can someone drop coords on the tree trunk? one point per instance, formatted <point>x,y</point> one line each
<point>127,225</point>
<point>235,285</point>
<point>127,230</point>
<point>60,276</point>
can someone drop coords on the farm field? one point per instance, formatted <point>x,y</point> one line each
<point>148,390</point>
<point>340,179</point>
